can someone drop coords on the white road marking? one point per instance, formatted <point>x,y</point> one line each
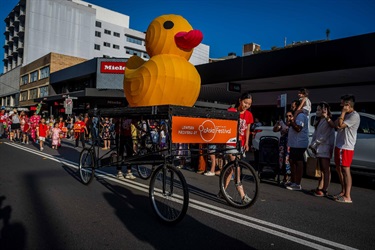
<point>245,220</point>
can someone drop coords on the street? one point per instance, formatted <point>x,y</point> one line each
<point>44,205</point>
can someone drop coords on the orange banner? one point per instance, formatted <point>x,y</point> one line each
<point>203,130</point>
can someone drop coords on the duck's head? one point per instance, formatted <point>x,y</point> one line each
<point>172,34</point>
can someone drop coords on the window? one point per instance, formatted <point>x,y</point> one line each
<point>133,52</point>
<point>145,55</point>
<point>367,125</point>
<point>23,96</point>
<point>134,40</point>
<point>116,46</point>
<point>116,34</point>
<point>98,34</point>
<point>108,32</point>
<point>25,79</point>
<point>43,91</point>
<point>106,44</point>
<point>106,56</point>
<point>34,76</point>
<point>97,46</point>
<point>33,94</point>
<point>44,72</point>
<point>98,24</point>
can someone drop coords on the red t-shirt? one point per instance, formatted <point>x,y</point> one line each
<point>246,119</point>
<point>43,128</point>
<point>26,127</point>
<point>79,127</point>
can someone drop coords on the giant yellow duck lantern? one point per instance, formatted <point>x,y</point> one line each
<point>168,78</point>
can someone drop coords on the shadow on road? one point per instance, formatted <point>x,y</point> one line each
<point>13,235</point>
<point>142,222</point>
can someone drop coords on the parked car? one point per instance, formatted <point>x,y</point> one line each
<point>364,151</point>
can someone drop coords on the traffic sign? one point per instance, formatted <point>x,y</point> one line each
<point>68,104</point>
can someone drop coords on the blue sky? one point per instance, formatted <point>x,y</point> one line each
<point>227,25</point>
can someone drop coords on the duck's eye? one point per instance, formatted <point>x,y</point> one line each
<point>168,25</point>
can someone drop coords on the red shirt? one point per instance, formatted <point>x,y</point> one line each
<point>79,127</point>
<point>246,119</point>
<point>43,128</point>
<point>26,127</point>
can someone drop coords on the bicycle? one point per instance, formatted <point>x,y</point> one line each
<point>237,175</point>
<point>168,191</point>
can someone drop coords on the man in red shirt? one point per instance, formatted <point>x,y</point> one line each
<point>79,131</point>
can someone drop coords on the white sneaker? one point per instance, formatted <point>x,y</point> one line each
<point>41,149</point>
<point>294,187</point>
<point>130,176</point>
<point>120,175</point>
<point>209,173</point>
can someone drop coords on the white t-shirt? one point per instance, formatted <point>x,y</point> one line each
<point>347,137</point>
<point>307,107</point>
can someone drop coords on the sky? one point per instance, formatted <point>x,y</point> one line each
<point>229,24</point>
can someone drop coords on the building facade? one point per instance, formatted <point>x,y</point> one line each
<point>94,83</point>
<point>35,76</point>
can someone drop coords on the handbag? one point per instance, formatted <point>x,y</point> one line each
<point>312,167</point>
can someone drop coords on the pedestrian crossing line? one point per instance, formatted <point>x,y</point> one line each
<point>264,226</point>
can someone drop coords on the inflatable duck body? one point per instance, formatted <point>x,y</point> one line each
<point>168,78</point>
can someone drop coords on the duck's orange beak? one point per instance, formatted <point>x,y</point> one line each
<point>188,40</point>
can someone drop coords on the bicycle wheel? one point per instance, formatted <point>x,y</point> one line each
<point>145,170</point>
<point>234,180</point>
<point>86,166</point>
<point>169,194</point>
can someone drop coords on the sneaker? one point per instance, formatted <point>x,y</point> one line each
<point>41,149</point>
<point>130,176</point>
<point>209,173</point>
<point>120,175</point>
<point>246,199</point>
<point>294,187</point>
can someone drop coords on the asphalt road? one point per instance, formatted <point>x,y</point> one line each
<point>43,205</point>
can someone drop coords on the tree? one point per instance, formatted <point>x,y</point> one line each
<point>327,33</point>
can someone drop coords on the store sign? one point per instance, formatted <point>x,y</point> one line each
<point>112,67</point>
<point>68,105</point>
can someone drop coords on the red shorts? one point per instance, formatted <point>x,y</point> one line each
<point>343,157</point>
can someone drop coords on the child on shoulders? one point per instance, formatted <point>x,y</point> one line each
<point>305,106</point>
